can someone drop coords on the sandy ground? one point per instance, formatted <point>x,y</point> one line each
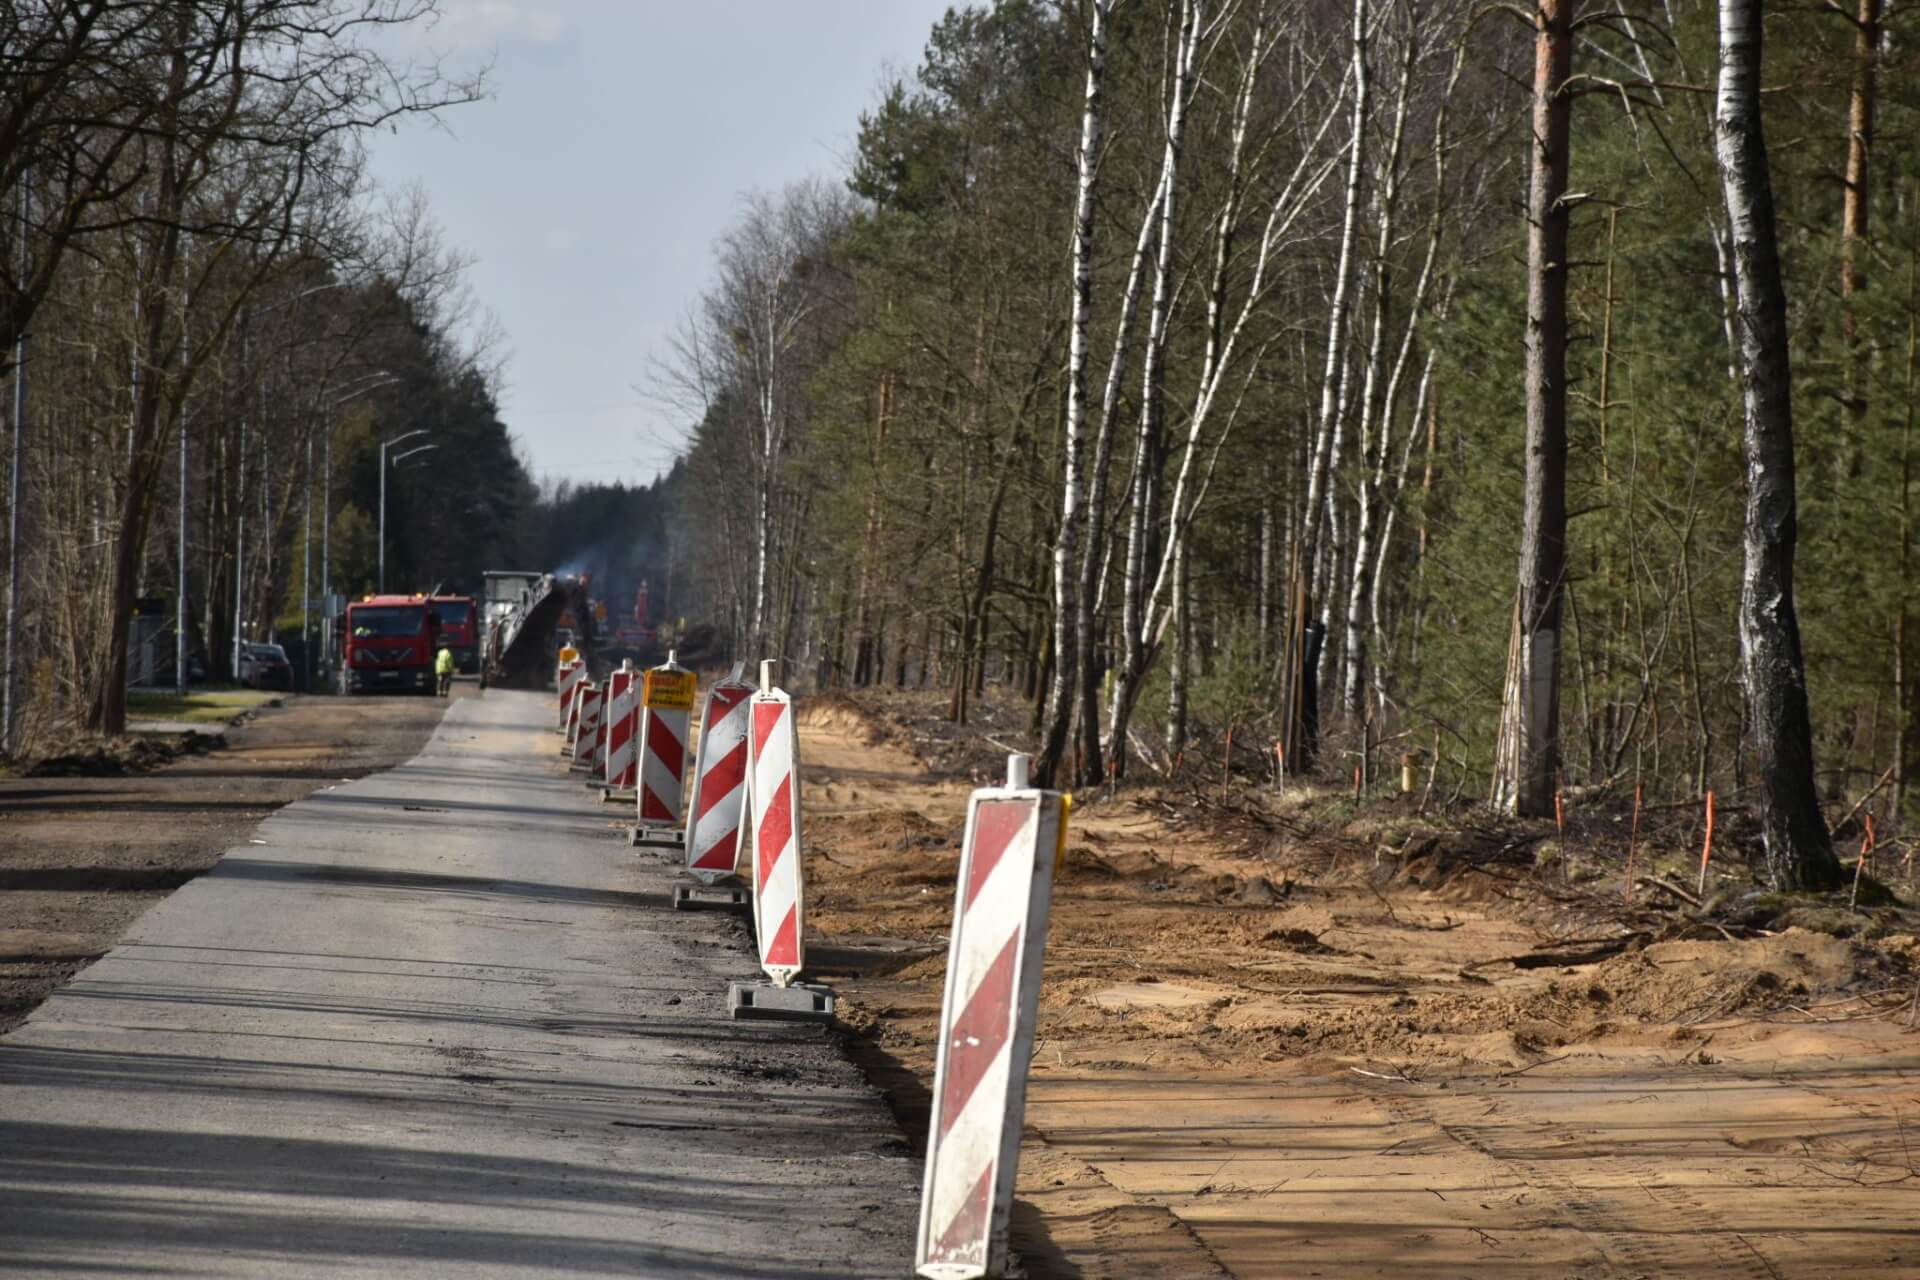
<point>1267,1056</point>
<point>81,858</point>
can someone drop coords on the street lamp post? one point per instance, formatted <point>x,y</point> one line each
<point>381,577</point>
<point>352,389</point>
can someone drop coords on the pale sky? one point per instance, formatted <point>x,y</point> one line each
<point>613,151</point>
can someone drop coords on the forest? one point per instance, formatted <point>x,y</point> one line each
<point>1527,392</point>
<point>210,322</point>
<point>1524,394</point>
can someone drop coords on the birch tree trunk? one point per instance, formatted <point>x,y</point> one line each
<point>1094,561</point>
<point>1149,452</point>
<point>1181,671</point>
<point>1380,394</point>
<point>1315,514</point>
<point>1066,543</point>
<point>1529,760</point>
<point>1799,851</point>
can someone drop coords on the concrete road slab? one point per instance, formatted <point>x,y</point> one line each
<point>443,1021</point>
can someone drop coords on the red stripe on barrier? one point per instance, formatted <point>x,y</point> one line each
<point>979,1033</point>
<point>721,778</point>
<point>998,823</point>
<point>652,806</point>
<point>785,947</point>
<point>766,718</point>
<point>962,1239</point>
<point>776,830</point>
<point>721,853</point>
<point>663,746</point>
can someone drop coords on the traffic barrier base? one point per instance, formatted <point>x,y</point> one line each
<point>801,1002</point>
<point>613,795</point>
<point>722,897</point>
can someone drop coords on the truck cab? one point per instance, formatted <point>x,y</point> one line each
<point>389,645</point>
<point>459,619</point>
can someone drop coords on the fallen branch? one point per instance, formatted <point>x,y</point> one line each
<point>1862,802</point>
<point>1564,959</point>
<point>1685,895</point>
<point>1400,1076</point>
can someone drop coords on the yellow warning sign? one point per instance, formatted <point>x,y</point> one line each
<point>668,690</point>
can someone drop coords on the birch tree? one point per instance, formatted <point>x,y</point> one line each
<point>1072,482</point>
<point>1316,515</point>
<point>1799,850</point>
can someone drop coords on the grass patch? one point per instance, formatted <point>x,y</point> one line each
<point>198,708</point>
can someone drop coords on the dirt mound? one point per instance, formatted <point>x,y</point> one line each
<point>1129,870</point>
<point>119,757</point>
<point>1693,981</point>
<point>901,830</point>
<point>838,711</point>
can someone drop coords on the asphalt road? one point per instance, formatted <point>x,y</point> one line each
<point>439,1021</point>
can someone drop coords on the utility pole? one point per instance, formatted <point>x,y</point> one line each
<point>306,569</point>
<point>240,495</point>
<point>10,698</point>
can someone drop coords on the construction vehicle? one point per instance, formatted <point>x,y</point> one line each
<point>387,645</point>
<point>523,613</point>
<point>460,630</point>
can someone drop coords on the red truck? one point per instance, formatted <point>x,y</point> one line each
<point>389,645</point>
<point>459,618</point>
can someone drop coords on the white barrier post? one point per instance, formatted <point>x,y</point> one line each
<point>779,879</point>
<point>1014,836</point>
<point>568,679</point>
<point>623,708</point>
<point>590,703</point>
<point>597,750</point>
<point>666,706</point>
<point>575,702</point>
<point>716,803</point>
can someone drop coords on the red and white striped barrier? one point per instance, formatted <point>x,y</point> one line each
<point>1005,888</point>
<point>779,884</point>
<point>622,714</point>
<point>597,752</point>
<point>567,680</point>
<point>719,782</point>
<point>666,706</point>
<point>590,703</point>
<point>575,701</point>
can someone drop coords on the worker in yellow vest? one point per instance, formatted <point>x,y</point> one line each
<point>443,667</point>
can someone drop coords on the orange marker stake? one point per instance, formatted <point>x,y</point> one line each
<point>1560,813</point>
<point>1226,770</point>
<point>1633,838</point>
<point>1706,850</point>
<point>1866,849</point>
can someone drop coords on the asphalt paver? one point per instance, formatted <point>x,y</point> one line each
<point>439,1021</point>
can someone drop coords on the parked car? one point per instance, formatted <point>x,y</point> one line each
<point>265,666</point>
